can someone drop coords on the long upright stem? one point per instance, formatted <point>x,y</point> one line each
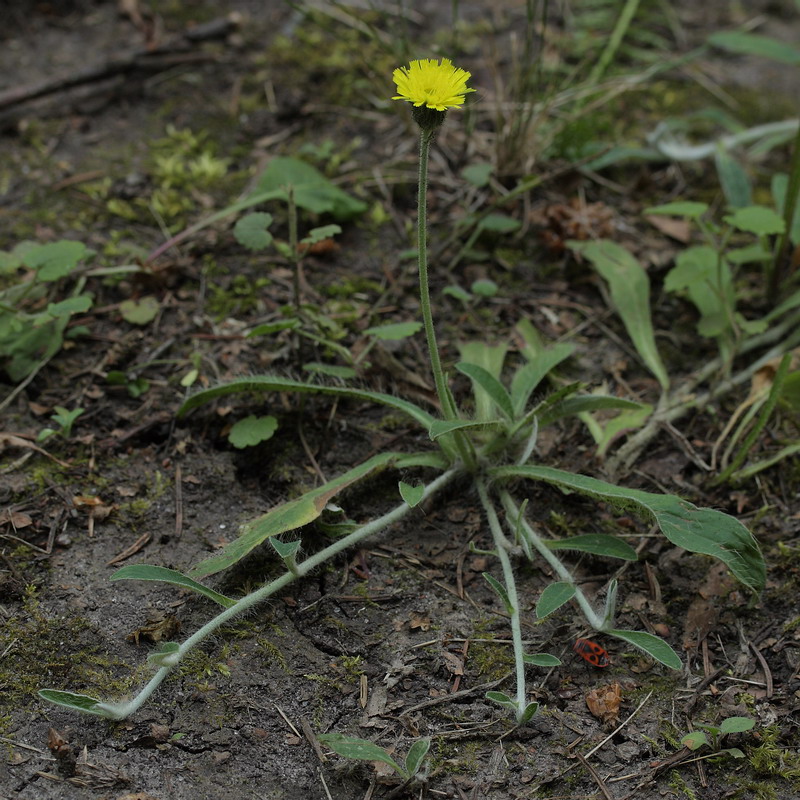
<point>445,398</point>
<point>448,410</point>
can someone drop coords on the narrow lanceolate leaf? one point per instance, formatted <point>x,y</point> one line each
<point>599,544</point>
<point>553,597</point>
<point>654,647</point>
<point>271,383</point>
<point>528,377</point>
<point>416,755</point>
<point>145,572</point>
<point>699,530</point>
<point>630,293</point>
<point>74,702</point>
<point>500,590</point>
<point>360,750</point>
<point>541,660</point>
<point>485,380</point>
<point>572,406</point>
<point>441,427</point>
<point>286,517</point>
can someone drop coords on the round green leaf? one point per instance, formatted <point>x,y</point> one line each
<point>251,230</point>
<point>252,430</point>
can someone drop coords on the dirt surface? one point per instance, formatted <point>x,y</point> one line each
<point>403,638</point>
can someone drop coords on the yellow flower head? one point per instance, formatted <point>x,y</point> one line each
<point>431,84</point>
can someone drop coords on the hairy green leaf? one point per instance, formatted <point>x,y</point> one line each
<point>251,230</point>
<point>146,572</point>
<point>699,530</point>
<point>269,383</point>
<point>287,517</point>
<point>359,750</point>
<point>252,430</point>
<point>553,597</point>
<point>599,544</point>
<point>488,383</point>
<point>630,293</point>
<point>654,647</point>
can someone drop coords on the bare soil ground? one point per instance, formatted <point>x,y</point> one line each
<point>401,639</point>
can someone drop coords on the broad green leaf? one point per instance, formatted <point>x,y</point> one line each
<point>287,517</point>
<point>412,495</point>
<point>528,714</point>
<point>760,220</point>
<point>754,44</point>
<point>733,752</point>
<point>553,597</point>
<point>572,406</point>
<point>491,358</point>
<point>251,230</point>
<point>680,208</point>
<point>456,291</point>
<point>694,740</point>
<point>607,431</point>
<point>312,190</point>
<point>274,327</point>
<point>500,590</point>
<point>541,660</point>
<point>74,702</point>
<point>146,572</point>
<point>484,288</point>
<point>707,279</point>
<point>477,174</point>
<point>489,384</point>
<point>736,725</point>
<point>752,254</point>
<point>141,311</point>
<point>654,647</point>
<point>165,655</point>
<point>319,234</point>
<point>269,383</point>
<point>733,179</point>
<point>502,698</point>
<point>599,544</point>
<point>529,376</point>
<point>698,530</point>
<point>441,427</point>
<point>630,293</point>
<point>359,750</point>
<point>285,549</point>
<point>499,223</point>
<point>252,430</point>
<point>55,260</point>
<point>70,305</point>
<point>394,331</point>
<point>416,755</point>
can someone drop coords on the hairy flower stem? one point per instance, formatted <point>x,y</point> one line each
<point>122,710</point>
<point>501,544</point>
<point>594,619</point>
<point>427,134</point>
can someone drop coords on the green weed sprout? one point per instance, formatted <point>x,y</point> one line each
<point>491,445</point>
<point>697,739</point>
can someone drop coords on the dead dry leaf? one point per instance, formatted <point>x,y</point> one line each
<point>604,702</point>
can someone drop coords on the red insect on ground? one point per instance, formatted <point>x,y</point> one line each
<point>591,652</point>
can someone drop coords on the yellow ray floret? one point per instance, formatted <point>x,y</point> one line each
<point>428,83</point>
